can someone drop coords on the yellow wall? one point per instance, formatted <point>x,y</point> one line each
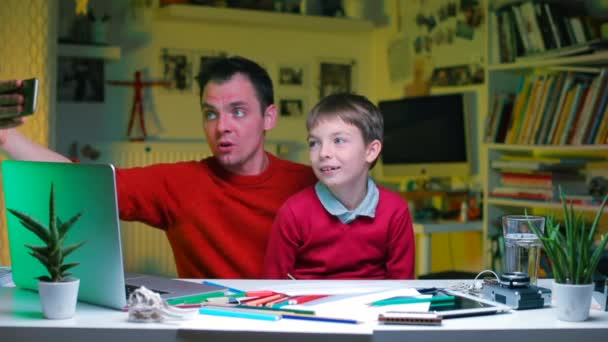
<point>26,53</point>
<point>177,115</point>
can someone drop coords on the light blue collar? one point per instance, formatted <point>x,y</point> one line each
<point>334,207</point>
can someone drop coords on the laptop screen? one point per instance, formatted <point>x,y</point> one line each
<point>90,188</point>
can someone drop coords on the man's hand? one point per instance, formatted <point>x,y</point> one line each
<point>11,103</point>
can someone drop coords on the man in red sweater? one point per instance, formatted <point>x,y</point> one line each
<point>218,212</point>
<point>344,227</point>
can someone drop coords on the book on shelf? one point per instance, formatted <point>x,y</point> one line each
<point>551,108</point>
<point>592,110</point>
<point>532,30</point>
<point>570,183</point>
<point>522,193</point>
<point>597,112</point>
<point>602,135</point>
<point>551,103</point>
<point>566,165</point>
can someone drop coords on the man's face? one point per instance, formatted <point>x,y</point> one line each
<point>234,124</point>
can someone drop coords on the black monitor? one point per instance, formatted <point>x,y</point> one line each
<point>425,136</point>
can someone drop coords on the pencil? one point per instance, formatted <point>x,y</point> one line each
<point>297,311</point>
<point>231,289</point>
<point>320,319</point>
<point>264,300</point>
<point>259,308</point>
<point>226,312</point>
<point>196,298</point>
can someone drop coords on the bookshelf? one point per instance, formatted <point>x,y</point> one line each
<point>546,117</point>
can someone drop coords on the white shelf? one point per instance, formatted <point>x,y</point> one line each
<point>231,16</point>
<point>537,204</point>
<point>548,148</point>
<point>89,51</point>
<point>457,89</point>
<point>446,226</point>
<point>597,58</point>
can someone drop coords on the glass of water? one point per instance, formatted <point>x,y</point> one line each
<point>522,246</point>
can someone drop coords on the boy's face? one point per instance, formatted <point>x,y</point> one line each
<point>234,124</point>
<point>338,154</point>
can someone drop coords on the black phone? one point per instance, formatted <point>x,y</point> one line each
<point>29,89</point>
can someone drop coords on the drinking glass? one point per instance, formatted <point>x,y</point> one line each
<point>522,246</point>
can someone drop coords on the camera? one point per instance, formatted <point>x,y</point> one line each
<point>513,289</point>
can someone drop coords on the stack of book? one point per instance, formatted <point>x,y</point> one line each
<point>551,108</point>
<point>541,29</point>
<point>540,178</point>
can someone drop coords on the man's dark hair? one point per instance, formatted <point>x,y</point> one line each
<point>224,68</point>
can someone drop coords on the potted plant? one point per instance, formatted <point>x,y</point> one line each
<point>573,259</point>
<point>58,292</point>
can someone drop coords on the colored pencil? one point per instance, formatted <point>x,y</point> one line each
<point>264,300</point>
<point>231,289</point>
<point>320,319</point>
<point>260,308</point>
<point>412,300</point>
<point>305,299</point>
<point>297,311</point>
<point>196,298</point>
<point>226,312</point>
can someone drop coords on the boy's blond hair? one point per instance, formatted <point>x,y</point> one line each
<point>353,109</point>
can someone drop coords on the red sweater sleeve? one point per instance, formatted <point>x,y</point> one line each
<point>282,246</point>
<point>401,250</point>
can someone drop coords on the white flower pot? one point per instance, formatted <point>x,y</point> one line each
<point>572,302</point>
<point>58,299</point>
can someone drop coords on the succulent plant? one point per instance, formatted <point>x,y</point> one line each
<point>53,253</point>
<point>570,247</point>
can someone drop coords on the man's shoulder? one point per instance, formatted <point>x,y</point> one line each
<point>297,173</point>
<point>289,165</point>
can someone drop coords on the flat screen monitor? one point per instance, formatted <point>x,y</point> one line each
<point>424,136</point>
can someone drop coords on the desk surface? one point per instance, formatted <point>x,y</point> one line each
<point>21,319</point>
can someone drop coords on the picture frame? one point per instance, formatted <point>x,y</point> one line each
<point>177,68</point>
<point>291,107</point>
<point>335,77</point>
<point>451,76</point>
<point>291,75</point>
<point>80,79</point>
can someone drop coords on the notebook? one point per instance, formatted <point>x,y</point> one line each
<point>90,188</point>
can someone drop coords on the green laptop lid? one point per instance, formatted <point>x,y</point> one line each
<point>89,188</point>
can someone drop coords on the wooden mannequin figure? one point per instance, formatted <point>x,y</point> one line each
<point>137,110</point>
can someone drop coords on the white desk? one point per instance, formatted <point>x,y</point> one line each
<point>21,320</point>
<point>426,229</point>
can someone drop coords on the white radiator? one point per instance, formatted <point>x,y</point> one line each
<point>146,249</point>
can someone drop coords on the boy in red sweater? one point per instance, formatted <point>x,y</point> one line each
<point>217,213</point>
<point>345,226</point>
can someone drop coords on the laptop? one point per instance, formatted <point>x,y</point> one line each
<point>90,188</point>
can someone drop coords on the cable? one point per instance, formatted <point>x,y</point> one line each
<point>474,287</point>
